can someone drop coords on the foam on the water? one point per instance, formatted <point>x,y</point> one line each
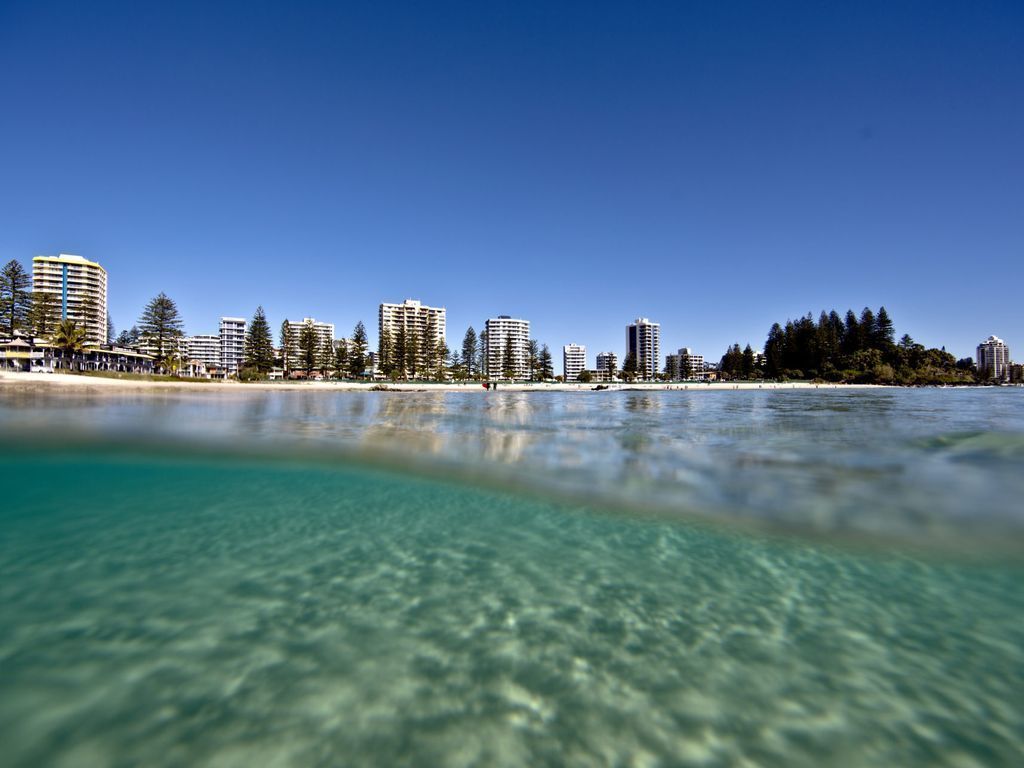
<point>162,610</point>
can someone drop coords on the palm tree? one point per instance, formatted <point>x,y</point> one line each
<point>69,338</point>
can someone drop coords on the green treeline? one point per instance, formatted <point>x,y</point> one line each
<point>847,348</point>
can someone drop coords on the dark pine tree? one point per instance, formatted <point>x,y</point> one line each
<point>508,359</point>
<point>385,353</point>
<point>851,335</point>
<point>160,327</point>
<point>884,332</point>
<point>45,314</point>
<point>747,363</point>
<point>402,352</point>
<point>774,349</point>
<point>532,359</point>
<point>309,349</point>
<point>357,351</point>
<point>259,343</point>
<point>287,346</point>
<point>15,298</point>
<point>483,364</point>
<point>546,363</point>
<point>469,360</point>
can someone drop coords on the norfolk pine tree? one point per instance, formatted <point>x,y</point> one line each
<point>287,346</point>
<point>469,351</point>
<point>259,344</point>
<point>547,366</point>
<point>15,299</point>
<point>357,352</point>
<point>309,349</point>
<point>341,358</point>
<point>508,359</point>
<point>160,326</point>
<point>44,315</point>
<point>483,366</point>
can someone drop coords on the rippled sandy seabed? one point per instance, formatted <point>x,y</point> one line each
<point>172,606</point>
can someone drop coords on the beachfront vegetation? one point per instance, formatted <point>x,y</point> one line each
<point>69,338</point>
<point>308,352</point>
<point>259,345</point>
<point>857,349</point>
<point>286,346</point>
<point>160,328</point>
<point>15,298</point>
<point>547,365</point>
<point>357,351</point>
<point>129,338</point>
<point>469,353</point>
<point>44,314</point>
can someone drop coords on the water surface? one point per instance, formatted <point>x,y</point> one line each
<point>166,604</point>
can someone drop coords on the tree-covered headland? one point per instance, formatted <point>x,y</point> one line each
<point>847,348</point>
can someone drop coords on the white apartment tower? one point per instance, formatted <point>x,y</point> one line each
<point>994,359</point>
<point>80,287</point>
<point>415,319</point>
<point>608,361</point>
<point>504,331</point>
<point>205,348</point>
<point>324,335</point>
<point>232,344</point>
<point>574,361</point>
<point>643,341</point>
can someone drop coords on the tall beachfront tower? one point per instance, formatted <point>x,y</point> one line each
<point>574,360</point>
<point>643,340</point>
<point>504,331</point>
<point>994,359</point>
<point>232,344</point>
<point>417,320</point>
<point>80,287</point>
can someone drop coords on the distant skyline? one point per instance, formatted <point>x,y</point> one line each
<point>714,167</point>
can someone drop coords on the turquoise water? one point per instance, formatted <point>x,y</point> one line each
<point>484,595</point>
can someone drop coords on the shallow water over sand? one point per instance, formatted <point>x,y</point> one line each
<point>181,607</point>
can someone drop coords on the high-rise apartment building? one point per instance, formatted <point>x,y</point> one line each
<point>507,333</point>
<point>574,361</point>
<point>608,361</point>
<point>413,318</point>
<point>994,359</point>
<point>232,344</point>
<point>643,344</point>
<point>324,335</point>
<point>80,287</point>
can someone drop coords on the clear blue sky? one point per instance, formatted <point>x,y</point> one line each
<point>714,166</point>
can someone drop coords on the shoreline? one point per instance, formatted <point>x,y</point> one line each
<point>59,381</point>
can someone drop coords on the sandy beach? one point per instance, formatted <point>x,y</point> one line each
<point>58,380</point>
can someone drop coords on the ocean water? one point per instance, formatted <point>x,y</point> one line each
<point>791,578</point>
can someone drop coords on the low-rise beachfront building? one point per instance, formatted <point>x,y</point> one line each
<point>232,344</point>
<point>690,365</point>
<point>608,361</point>
<point>79,287</point>
<point>35,355</point>
<point>574,361</point>
<point>643,345</point>
<point>507,335</point>
<point>994,359</point>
